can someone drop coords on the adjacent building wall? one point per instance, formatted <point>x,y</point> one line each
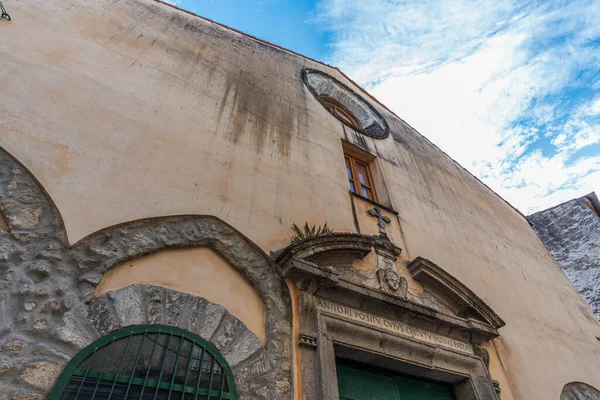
<point>132,109</point>
<point>571,232</point>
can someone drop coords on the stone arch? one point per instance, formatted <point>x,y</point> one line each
<point>101,251</point>
<point>197,271</point>
<point>47,289</point>
<point>149,305</point>
<point>579,391</point>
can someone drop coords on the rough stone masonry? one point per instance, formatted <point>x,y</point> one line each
<point>571,232</point>
<point>49,310</point>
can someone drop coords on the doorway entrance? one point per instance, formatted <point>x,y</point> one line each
<point>357,382</point>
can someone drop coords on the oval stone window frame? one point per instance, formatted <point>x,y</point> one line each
<point>370,122</point>
<point>579,391</point>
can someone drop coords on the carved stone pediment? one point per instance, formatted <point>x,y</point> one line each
<point>463,302</point>
<point>328,263</point>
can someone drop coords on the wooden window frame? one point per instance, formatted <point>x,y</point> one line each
<point>339,110</point>
<point>352,156</point>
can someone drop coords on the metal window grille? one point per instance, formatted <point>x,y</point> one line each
<point>147,362</point>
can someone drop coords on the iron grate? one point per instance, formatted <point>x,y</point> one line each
<point>151,362</point>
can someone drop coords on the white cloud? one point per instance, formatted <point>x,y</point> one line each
<point>488,82</point>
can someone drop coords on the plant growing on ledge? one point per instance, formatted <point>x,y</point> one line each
<point>309,231</point>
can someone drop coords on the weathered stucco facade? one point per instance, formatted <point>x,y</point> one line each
<point>571,232</point>
<point>144,148</point>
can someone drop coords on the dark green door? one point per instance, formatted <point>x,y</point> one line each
<point>359,384</point>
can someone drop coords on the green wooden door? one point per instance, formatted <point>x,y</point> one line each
<point>359,384</point>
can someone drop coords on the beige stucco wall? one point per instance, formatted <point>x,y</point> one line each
<point>198,271</point>
<point>498,370</point>
<point>132,109</point>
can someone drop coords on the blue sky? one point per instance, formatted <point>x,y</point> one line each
<point>288,23</point>
<point>508,88</point>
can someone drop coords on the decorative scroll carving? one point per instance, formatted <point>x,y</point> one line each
<point>307,340</point>
<point>484,354</point>
<point>496,385</point>
<point>307,335</point>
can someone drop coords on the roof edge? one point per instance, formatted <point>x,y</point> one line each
<point>590,196</point>
<point>363,90</point>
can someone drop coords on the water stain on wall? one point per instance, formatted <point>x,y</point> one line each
<point>254,117</point>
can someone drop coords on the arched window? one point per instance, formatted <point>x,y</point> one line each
<point>339,110</point>
<point>147,362</point>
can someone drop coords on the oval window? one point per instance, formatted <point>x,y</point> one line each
<point>345,104</point>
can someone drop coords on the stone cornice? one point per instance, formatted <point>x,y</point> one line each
<point>341,247</point>
<point>467,324</point>
<point>429,273</point>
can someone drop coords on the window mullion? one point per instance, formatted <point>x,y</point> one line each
<point>357,188</point>
<point>372,183</point>
<point>360,185</point>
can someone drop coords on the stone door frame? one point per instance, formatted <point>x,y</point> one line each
<point>338,338</point>
<point>429,344</point>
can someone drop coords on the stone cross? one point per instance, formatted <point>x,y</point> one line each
<point>381,219</point>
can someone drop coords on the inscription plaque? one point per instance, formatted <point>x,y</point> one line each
<point>395,327</point>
